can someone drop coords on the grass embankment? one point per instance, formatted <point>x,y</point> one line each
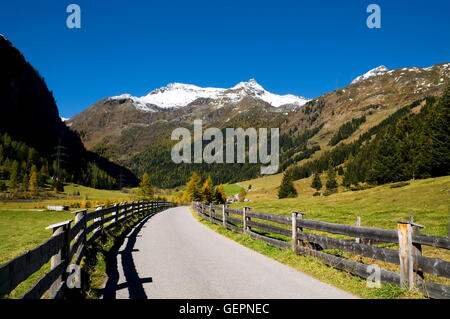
<point>314,267</point>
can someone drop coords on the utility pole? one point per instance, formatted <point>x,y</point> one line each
<point>121,179</point>
<point>59,154</point>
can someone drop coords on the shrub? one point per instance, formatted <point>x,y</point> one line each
<point>399,184</point>
<point>85,204</point>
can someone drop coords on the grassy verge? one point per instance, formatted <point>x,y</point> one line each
<point>315,268</point>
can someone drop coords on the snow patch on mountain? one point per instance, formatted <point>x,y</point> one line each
<point>374,72</point>
<point>178,95</point>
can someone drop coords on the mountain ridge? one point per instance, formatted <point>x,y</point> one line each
<point>140,140</point>
<point>175,95</point>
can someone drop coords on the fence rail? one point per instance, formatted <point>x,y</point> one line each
<point>413,264</point>
<point>67,246</point>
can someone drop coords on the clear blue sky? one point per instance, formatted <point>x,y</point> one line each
<point>298,47</point>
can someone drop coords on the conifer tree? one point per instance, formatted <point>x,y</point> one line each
<point>14,176</point>
<point>208,190</point>
<point>43,175</point>
<point>316,183</point>
<point>25,181</point>
<point>287,189</point>
<point>193,190</point>
<point>331,183</point>
<point>145,188</point>
<point>219,195</point>
<point>33,183</point>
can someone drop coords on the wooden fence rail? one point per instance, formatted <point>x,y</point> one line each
<point>67,246</point>
<point>269,227</point>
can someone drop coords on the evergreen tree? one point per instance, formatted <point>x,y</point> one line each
<point>57,186</point>
<point>331,183</point>
<point>25,181</point>
<point>43,175</point>
<point>14,176</point>
<point>219,195</point>
<point>287,189</point>
<point>316,183</point>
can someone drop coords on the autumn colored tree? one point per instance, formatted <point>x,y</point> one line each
<point>145,188</point>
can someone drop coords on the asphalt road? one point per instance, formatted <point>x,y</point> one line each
<point>172,255</point>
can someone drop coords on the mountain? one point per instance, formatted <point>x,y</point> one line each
<point>374,72</point>
<point>29,115</point>
<point>135,132</point>
<point>179,95</point>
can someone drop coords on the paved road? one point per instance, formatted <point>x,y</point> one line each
<point>171,255</point>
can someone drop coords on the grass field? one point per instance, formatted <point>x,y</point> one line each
<point>22,230</point>
<point>72,196</point>
<point>231,189</point>
<point>22,223</point>
<point>428,200</point>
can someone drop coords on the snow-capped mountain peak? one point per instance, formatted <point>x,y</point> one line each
<point>374,72</point>
<point>178,95</point>
<point>249,85</point>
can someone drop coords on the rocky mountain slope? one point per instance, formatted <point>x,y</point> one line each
<point>136,131</point>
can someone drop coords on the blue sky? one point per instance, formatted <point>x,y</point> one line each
<point>297,47</point>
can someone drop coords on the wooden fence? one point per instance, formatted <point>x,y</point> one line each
<point>365,243</point>
<point>67,246</point>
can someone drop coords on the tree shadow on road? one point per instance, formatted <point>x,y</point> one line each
<point>133,282</point>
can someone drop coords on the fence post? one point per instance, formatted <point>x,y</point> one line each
<point>115,213</point>
<point>405,254</point>
<point>211,213</point>
<point>416,251</point>
<point>61,257</point>
<point>99,208</point>
<point>80,215</point>
<point>300,215</point>
<point>358,223</point>
<point>245,219</point>
<point>294,231</point>
<point>224,215</point>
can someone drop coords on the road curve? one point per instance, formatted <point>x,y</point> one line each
<point>172,255</point>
